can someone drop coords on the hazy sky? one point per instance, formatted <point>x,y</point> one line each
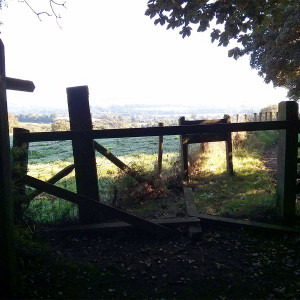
<point>111,46</point>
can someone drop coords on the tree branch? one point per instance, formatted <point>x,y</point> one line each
<point>52,3</point>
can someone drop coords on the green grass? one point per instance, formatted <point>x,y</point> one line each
<point>250,193</point>
<point>48,158</point>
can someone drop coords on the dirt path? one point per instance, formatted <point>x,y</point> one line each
<point>223,264</point>
<point>270,159</point>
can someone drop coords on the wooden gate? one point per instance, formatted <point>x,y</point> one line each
<point>187,139</point>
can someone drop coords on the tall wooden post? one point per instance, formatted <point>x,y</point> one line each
<point>160,151</point>
<point>83,150</point>
<point>19,170</point>
<point>287,161</point>
<point>8,273</point>
<point>229,148</point>
<point>184,153</point>
<point>255,117</point>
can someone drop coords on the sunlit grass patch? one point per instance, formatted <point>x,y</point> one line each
<point>250,193</point>
<point>45,210</point>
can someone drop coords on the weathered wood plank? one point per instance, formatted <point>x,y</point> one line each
<point>123,225</point>
<point>98,206</point>
<point>211,219</point>
<point>205,138</point>
<point>194,230</point>
<point>287,162</point>
<point>184,149</point>
<point>203,122</point>
<point>83,150</point>
<point>19,85</point>
<point>190,202</point>
<point>19,170</point>
<point>160,152</point>
<point>208,220</point>
<point>228,146</point>
<point>156,131</point>
<point>60,175</point>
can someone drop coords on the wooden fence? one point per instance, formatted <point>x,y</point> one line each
<point>256,117</point>
<point>287,124</point>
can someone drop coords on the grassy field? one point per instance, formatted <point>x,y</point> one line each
<point>48,158</point>
<point>250,193</point>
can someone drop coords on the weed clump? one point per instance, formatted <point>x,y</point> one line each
<point>129,194</point>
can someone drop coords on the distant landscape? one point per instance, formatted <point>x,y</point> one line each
<point>137,109</point>
<point>117,116</point>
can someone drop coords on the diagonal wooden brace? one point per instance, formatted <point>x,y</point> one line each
<point>103,208</point>
<point>116,161</point>
<point>61,174</point>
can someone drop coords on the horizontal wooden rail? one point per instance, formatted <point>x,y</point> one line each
<point>19,85</point>
<point>101,207</point>
<point>172,222</point>
<point>157,131</point>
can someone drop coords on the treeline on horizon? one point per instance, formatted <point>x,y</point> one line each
<point>37,118</point>
<point>128,110</point>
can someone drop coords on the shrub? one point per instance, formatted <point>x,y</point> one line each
<point>13,121</point>
<point>60,125</point>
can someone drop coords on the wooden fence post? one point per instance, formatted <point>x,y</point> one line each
<point>266,116</point>
<point>8,270</point>
<point>270,116</point>
<point>255,117</point>
<point>237,118</point>
<point>160,151</point>
<point>184,153</point>
<point>260,117</point>
<point>287,161</point>
<point>83,151</point>
<point>19,168</point>
<point>229,148</point>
